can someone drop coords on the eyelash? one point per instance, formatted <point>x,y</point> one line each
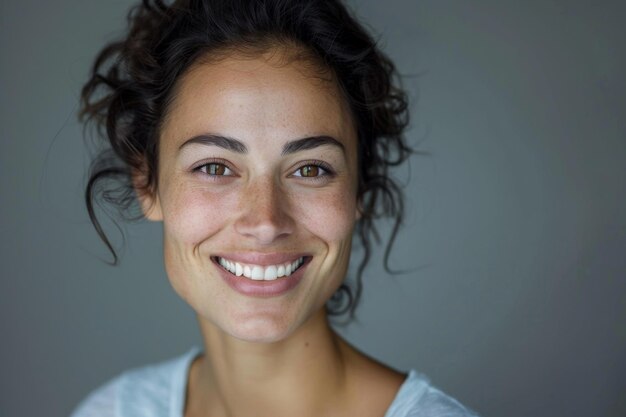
<point>206,165</point>
<point>326,169</point>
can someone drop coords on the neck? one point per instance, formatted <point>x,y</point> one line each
<point>301,375</point>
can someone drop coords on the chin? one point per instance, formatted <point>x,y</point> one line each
<point>261,329</point>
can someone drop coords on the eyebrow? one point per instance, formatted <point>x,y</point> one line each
<point>237,146</point>
<point>311,142</point>
<point>216,140</point>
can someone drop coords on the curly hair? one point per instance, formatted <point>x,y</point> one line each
<point>132,82</point>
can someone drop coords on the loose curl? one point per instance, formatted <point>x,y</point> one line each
<point>132,83</point>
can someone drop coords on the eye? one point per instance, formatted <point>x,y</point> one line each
<point>214,169</point>
<point>313,170</point>
<point>309,171</point>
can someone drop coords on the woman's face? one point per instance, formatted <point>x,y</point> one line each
<point>257,171</point>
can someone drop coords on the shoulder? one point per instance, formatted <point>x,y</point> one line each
<point>150,390</point>
<point>99,403</point>
<point>418,398</point>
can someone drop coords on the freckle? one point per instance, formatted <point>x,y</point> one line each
<point>306,344</point>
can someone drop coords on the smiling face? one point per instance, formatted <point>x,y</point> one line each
<point>257,179</point>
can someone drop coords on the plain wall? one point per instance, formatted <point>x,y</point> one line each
<point>516,221</point>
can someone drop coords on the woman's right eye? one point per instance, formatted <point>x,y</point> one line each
<point>215,169</point>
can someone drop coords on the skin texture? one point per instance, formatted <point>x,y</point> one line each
<point>278,350</point>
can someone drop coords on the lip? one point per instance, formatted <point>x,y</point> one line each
<point>263,289</point>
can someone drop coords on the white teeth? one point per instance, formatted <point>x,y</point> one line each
<point>270,273</point>
<point>258,273</point>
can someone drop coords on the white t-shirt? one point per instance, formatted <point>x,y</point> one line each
<point>159,391</point>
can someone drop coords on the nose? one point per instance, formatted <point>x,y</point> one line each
<point>264,214</point>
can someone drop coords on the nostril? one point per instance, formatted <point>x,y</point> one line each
<point>264,212</point>
<point>264,225</point>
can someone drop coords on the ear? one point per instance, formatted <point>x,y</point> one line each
<point>359,210</point>
<point>148,199</point>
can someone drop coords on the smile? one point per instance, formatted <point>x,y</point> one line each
<point>258,272</point>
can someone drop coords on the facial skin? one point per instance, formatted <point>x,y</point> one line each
<point>263,201</point>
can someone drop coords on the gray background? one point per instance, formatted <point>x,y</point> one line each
<point>516,228</point>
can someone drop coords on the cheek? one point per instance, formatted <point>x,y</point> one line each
<point>330,216</point>
<point>193,215</point>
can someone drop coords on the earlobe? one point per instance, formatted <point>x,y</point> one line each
<point>148,199</point>
<point>151,207</point>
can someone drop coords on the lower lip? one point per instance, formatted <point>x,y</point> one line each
<point>262,288</point>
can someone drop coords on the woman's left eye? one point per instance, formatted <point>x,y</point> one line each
<point>311,171</point>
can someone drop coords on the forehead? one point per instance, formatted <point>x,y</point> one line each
<point>270,95</point>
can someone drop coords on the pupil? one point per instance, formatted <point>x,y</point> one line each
<point>216,169</point>
<point>309,171</point>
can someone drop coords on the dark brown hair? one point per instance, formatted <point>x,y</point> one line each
<point>131,85</point>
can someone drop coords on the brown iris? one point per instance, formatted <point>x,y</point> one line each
<point>216,169</point>
<point>310,171</point>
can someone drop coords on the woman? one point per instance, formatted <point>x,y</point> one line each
<point>260,134</point>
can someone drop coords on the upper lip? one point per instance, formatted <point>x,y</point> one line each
<point>261,259</point>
